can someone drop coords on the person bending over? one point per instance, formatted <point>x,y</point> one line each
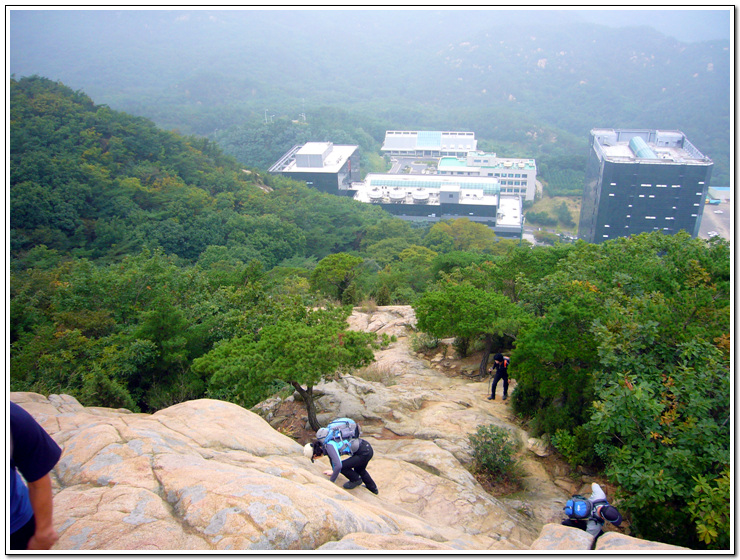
<point>353,467</point>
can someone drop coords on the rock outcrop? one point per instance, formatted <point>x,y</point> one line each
<point>209,475</point>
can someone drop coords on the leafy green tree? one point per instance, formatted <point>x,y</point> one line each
<point>679,282</point>
<point>390,228</point>
<point>659,429</point>
<point>387,251</point>
<point>541,218</point>
<point>462,310</point>
<point>555,356</point>
<point>465,235</point>
<point>447,262</point>
<point>335,273</point>
<point>439,240</point>
<point>564,215</point>
<point>546,237</point>
<point>301,348</point>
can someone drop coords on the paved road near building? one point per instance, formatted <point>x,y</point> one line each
<point>714,222</point>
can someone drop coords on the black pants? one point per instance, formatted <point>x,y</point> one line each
<point>355,467</point>
<point>19,539</point>
<point>496,378</point>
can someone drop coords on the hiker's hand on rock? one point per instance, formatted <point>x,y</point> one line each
<point>328,473</point>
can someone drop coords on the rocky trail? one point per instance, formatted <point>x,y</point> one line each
<point>433,398</point>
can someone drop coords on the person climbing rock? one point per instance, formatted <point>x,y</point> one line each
<point>590,514</point>
<point>334,444</point>
<point>501,367</point>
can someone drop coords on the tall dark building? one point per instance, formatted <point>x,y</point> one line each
<point>642,180</point>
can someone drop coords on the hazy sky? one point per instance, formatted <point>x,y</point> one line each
<point>686,25</point>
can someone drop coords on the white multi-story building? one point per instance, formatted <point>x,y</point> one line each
<point>517,176</point>
<point>435,197</point>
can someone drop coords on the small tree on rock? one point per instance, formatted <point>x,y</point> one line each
<point>300,350</point>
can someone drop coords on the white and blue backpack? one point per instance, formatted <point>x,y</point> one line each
<point>343,433</point>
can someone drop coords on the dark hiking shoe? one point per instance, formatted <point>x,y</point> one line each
<point>373,490</point>
<point>506,397</point>
<point>492,398</point>
<point>352,484</point>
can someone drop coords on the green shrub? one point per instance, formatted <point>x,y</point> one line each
<point>541,218</point>
<point>564,215</point>
<point>383,296</point>
<point>493,452</point>
<point>461,344</point>
<point>526,399</point>
<point>577,448</point>
<point>351,295</point>
<point>100,390</point>
<point>421,342</point>
<point>710,509</point>
<point>369,306</point>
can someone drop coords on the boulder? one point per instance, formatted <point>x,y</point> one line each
<point>559,537</point>
<point>617,541</point>
<point>209,475</point>
<point>539,447</point>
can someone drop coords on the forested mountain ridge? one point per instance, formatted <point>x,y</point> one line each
<point>529,84</point>
<point>93,182</point>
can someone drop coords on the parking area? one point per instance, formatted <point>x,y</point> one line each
<point>717,218</point>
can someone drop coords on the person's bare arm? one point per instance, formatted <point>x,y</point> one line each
<point>39,492</point>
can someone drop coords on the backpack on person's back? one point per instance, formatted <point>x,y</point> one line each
<point>578,507</point>
<point>344,432</point>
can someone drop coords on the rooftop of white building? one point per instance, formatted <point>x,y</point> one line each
<point>509,211</point>
<point>334,158</point>
<point>402,187</point>
<point>484,160</point>
<point>647,146</point>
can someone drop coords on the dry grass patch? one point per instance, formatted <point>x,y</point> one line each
<point>377,373</point>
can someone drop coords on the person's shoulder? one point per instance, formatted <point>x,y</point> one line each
<point>17,410</point>
<point>20,417</point>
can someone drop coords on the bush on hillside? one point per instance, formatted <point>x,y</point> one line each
<point>493,452</point>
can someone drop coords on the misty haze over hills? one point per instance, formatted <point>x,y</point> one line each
<point>509,75</point>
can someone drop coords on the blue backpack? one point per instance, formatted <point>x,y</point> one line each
<point>578,507</point>
<point>344,432</point>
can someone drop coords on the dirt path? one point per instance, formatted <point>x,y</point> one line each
<point>540,497</point>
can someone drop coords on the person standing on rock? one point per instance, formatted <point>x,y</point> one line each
<point>354,467</point>
<point>32,454</point>
<point>501,367</point>
<point>590,514</point>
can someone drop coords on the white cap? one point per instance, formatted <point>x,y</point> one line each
<point>308,451</point>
